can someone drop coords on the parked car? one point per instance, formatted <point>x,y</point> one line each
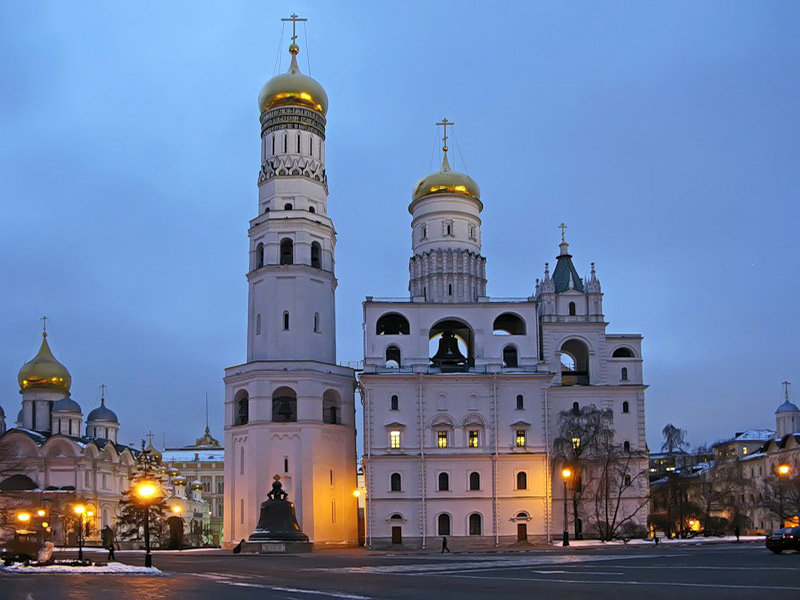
<point>786,538</point>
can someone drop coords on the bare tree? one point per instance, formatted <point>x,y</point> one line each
<point>674,439</point>
<point>781,496</point>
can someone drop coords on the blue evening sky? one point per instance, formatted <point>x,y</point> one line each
<point>664,133</point>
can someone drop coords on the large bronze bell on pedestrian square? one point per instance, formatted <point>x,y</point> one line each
<point>277,520</point>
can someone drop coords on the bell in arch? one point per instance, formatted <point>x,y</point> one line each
<point>277,521</point>
<point>448,353</point>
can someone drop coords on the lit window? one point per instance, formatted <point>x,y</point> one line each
<point>473,438</point>
<point>576,442</point>
<point>394,439</point>
<point>521,438</point>
<point>441,439</point>
<point>744,450</point>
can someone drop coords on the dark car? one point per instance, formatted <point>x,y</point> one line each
<point>786,538</point>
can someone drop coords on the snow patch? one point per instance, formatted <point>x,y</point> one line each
<point>112,567</point>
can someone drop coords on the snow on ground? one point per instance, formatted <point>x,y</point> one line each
<point>113,567</point>
<point>649,542</point>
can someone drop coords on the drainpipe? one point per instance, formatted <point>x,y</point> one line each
<point>494,464</point>
<point>423,475</point>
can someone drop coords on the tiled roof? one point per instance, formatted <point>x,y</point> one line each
<point>565,276</point>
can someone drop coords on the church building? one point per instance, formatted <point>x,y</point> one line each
<point>290,409</point>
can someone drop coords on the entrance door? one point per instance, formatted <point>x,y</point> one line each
<point>175,533</point>
<point>397,535</point>
<point>522,532</point>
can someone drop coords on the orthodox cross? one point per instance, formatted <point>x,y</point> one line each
<point>786,389</point>
<point>102,390</point>
<point>563,228</point>
<point>44,324</point>
<point>294,19</point>
<point>444,123</point>
<point>150,438</point>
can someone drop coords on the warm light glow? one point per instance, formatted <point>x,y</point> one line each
<point>356,493</point>
<point>441,439</point>
<point>40,512</point>
<point>576,442</point>
<point>146,490</point>
<point>784,469</point>
<point>520,438</point>
<point>394,439</point>
<point>45,524</point>
<point>89,513</point>
<point>176,509</point>
<point>566,473</point>
<point>79,509</point>
<point>24,517</point>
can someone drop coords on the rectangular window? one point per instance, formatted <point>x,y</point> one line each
<point>394,439</point>
<point>521,442</point>
<point>441,439</point>
<point>473,438</point>
<point>220,485</point>
<point>576,442</point>
<point>241,511</point>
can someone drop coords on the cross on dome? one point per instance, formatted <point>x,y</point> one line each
<point>563,228</point>
<point>786,385</point>
<point>444,123</point>
<point>44,324</point>
<point>294,19</point>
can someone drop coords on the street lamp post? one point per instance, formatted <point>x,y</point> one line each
<point>782,471</point>
<point>146,491</point>
<point>565,474</point>
<point>80,510</point>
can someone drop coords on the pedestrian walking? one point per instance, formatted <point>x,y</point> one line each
<point>444,545</point>
<point>111,551</point>
<point>736,532</point>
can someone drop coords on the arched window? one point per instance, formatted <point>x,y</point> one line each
<point>450,343</point>
<point>286,320</point>
<point>626,446</point>
<point>475,524</point>
<point>508,324</point>
<point>522,480</point>
<point>284,405</point>
<point>627,480</point>
<point>572,309</point>
<point>574,363</point>
<point>242,407</point>
<point>520,402</point>
<point>393,357</point>
<point>576,408</point>
<point>395,403</point>
<point>443,524</point>
<point>474,481</point>
<point>510,357</point>
<point>444,482</point>
<point>622,353</point>
<point>623,373</point>
<point>285,464</point>
<point>449,289</point>
<point>331,407</point>
<point>258,324</point>
<point>316,253</point>
<point>316,322</point>
<point>395,482</point>
<point>287,252</point>
<point>241,460</point>
<point>392,324</point>
<point>626,407</point>
<point>287,206</point>
<point>259,255</point>
<point>311,209</point>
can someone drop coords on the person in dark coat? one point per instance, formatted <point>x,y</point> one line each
<point>444,545</point>
<point>238,547</point>
<point>107,535</point>
<point>736,532</point>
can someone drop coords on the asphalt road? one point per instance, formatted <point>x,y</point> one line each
<point>708,572</point>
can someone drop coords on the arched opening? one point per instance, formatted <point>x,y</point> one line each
<point>331,407</point>
<point>626,446</point>
<point>259,255</point>
<point>242,406</point>
<point>626,407</point>
<point>475,524</point>
<point>392,324</point>
<point>284,405</point>
<point>520,402</point>
<point>622,353</point>
<point>395,483</point>
<point>316,254</point>
<point>286,320</point>
<point>287,251</point>
<point>393,358</point>
<point>623,373</point>
<point>17,483</point>
<point>574,363</point>
<point>258,324</point>
<point>510,357</point>
<point>571,309</point>
<point>443,524</point>
<point>175,533</point>
<point>508,324</point>
<point>285,464</point>
<point>287,206</point>
<point>316,322</point>
<point>444,482</point>
<point>450,343</point>
<point>576,408</point>
<point>522,480</point>
<point>395,403</point>
<point>474,481</point>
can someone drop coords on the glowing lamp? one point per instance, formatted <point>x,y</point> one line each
<point>176,509</point>
<point>784,469</point>
<point>45,524</point>
<point>24,517</point>
<point>146,490</point>
<point>89,513</point>
<point>79,509</point>
<point>40,512</point>
<point>357,493</point>
<point>566,473</point>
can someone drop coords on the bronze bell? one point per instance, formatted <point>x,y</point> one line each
<point>277,520</point>
<point>448,352</point>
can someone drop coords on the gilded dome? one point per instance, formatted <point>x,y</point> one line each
<point>293,88</point>
<point>44,372</point>
<point>447,181</point>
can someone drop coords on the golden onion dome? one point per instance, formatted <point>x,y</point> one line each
<point>447,181</point>
<point>44,372</point>
<point>293,88</point>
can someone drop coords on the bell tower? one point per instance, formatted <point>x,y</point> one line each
<point>289,409</point>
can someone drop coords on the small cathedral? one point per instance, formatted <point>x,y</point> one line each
<point>50,458</point>
<point>462,392</point>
